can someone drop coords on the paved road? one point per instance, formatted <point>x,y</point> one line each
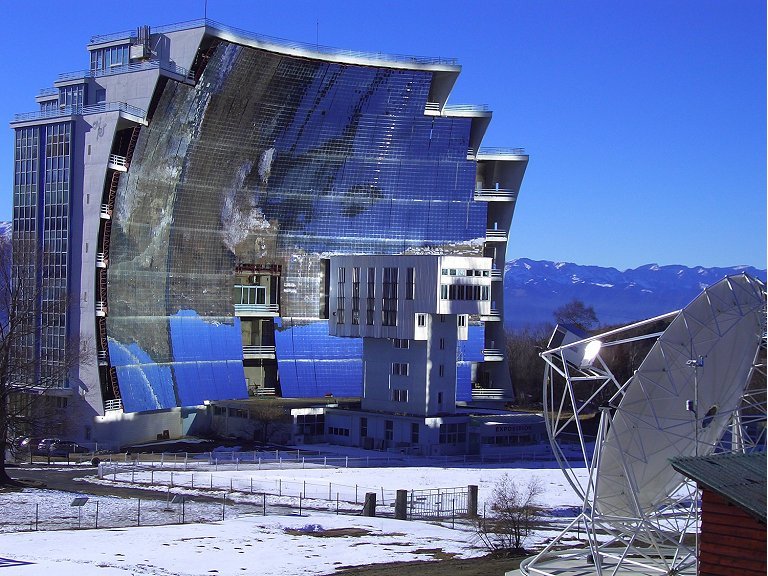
<point>65,478</point>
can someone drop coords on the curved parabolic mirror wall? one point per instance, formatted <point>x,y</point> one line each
<point>279,160</point>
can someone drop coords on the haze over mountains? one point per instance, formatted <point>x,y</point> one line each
<point>533,289</point>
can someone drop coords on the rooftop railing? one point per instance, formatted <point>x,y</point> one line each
<point>280,42</point>
<point>48,92</point>
<point>124,69</point>
<point>80,110</point>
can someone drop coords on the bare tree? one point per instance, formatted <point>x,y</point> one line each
<point>526,368</point>
<point>510,515</point>
<point>269,416</point>
<point>28,374</point>
<point>576,313</point>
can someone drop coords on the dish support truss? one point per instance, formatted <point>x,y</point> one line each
<point>701,389</point>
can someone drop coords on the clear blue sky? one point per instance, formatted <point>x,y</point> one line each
<point>645,120</point>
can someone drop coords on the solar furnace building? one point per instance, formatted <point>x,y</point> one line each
<point>184,193</point>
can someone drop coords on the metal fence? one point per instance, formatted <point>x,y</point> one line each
<point>55,513</point>
<point>438,503</point>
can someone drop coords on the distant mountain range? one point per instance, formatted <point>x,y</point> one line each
<point>534,289</point>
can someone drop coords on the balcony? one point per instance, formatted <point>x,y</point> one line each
<point>101,308</point>
<point>258,352</point>
<point>119,163</point>
<point>495,236</point>
<point>493,355</point>
<point>112,405</point>
<point>432,109</point>
<point>496,274</point>
<point>103,357</point>
<point>490,394</point>
<point>495,195</point>
<point>263,391</point>
<point>106,212</point>
<point>493,316</point>
<point>269,310</point>
<point>101,260</point>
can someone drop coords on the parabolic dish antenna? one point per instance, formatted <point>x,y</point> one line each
<point>693,394</point>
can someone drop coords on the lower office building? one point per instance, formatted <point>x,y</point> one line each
<point>182,195</point>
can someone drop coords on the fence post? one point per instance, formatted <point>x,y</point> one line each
<point>171,478</point>
<point>337,503</point>
<point>346,461</point>
<point>472,501</point>
<point>251,484</point>
<point>355,493</point>
<point>37,509</point>
<point>369,508</point>
<point>299,504</point>
<point>304,491</point>
<point>330,495</point>
<point>401,505</point>
<point>193,480</point>
<point>264,503</point>
<point>279,486</point>
<point>230,485</point>
<point>138,513</point>
<point>96,525</point>
<point>152,475</point>
<point>223,504</point>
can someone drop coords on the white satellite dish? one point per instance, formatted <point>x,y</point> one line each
<point>690,396</point>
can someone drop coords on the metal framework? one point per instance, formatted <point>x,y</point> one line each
<point>700,389</point>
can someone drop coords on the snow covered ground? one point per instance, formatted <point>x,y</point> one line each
<point>270,545</point>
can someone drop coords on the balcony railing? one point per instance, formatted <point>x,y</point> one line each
<point>493,354</point>
<point>124,69</point>
<point>81,110</point>
<point>118,162</point>
<point>432,108</point>
<point>105,212</point>
<point>263,391</point>
<point>101,308</point>
<point>496,274</point>
<point>250,352</point>
<point>101,260</point>
<point>103,357</point>
<point>495,236</point>
<point>256,309</point>
<point>494,315</point>
<point>116,404</point>
<point>495,195</point>
<point>489,394</point>
<point>490,151</point>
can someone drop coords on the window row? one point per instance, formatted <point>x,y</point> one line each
<point>464,292</point>
<point>463,272</point>
<point>455,433</point>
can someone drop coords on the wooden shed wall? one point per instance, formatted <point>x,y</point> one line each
<point>732,541</point>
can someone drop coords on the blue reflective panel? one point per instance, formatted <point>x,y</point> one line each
<point>311,363</point>
<point>471,349</point>
<point>463,381</point>
<point>144,384</point>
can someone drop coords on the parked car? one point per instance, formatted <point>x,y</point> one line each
<point>44,447</point>
<point>27,443</point>
<point>65,448</point>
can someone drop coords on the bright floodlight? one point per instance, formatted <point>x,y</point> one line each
<point>614,440</point>
<point>590,352</point>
